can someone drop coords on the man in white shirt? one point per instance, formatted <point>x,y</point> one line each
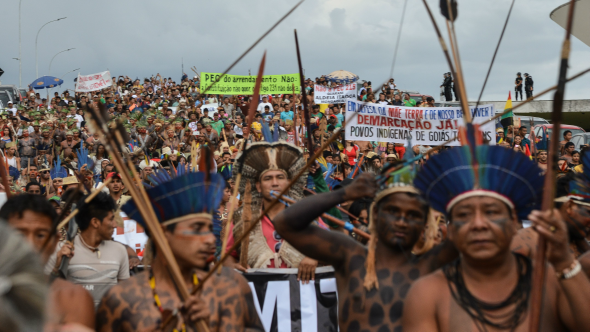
<point>78,117</point>
<point>264,103</point>
<point>11,108</point>
<point>98,263</point>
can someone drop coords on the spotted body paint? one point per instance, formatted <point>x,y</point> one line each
<point>130,306</point>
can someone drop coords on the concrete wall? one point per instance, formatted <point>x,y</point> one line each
<point>575,112</point>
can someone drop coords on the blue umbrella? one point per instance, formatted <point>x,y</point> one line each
<point>46,82</point>
<point>342,77</point>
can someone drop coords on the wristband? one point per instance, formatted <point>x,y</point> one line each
<point>570,272</point>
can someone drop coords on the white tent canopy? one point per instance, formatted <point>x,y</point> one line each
<point>581,28</point>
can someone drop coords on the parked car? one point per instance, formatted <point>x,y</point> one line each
<point>12,91</point>
<point>23,93</point>
<point>581,139</point>
<point>548,128</point>
<point>526,120</point>
<point>4,99</point>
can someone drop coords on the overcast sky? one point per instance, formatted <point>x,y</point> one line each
<point>141,38</point>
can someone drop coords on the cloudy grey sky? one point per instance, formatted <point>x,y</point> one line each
<point>141,38</point>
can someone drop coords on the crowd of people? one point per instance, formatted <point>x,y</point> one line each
<point>451,232</point>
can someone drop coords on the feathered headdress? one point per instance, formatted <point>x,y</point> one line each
<point>481,170</point>
<point>58,171</point>
<point>258,159</point>
<point>181,196</point>
<point>395,178</point>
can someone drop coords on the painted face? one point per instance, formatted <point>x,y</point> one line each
<point>482,227</point>
<point>192,242</point>
<point>57,182</point>
<point>271,181</point>
<point>400,219</point>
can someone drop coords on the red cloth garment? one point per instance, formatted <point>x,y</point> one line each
<point>351,154</point>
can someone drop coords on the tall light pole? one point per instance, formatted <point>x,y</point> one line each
<point>62,76</point>
<point>36,38</point>
<point>20,56</point>
<point>69,49</point>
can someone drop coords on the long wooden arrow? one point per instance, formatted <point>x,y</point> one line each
<point>539,260</point>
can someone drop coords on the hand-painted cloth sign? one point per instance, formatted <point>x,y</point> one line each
<point>337,95</point>
<point>244,85</point>
<point>94,82</point>
<point>423,126</point>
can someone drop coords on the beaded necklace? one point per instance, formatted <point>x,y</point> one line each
<point>157,301</point>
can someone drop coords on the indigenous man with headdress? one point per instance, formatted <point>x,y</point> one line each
<point>45,147</point>
<point>58,174</point>
<point>371,288</point>
<point>59,134</point>
<point>484,190</point>
<point>144,140</point>
<point>36,134</point>
<point>68,146</point>
<point>268,167</point>
<point>184,205</point>
<point>45,179</point>
<point>26,148</point>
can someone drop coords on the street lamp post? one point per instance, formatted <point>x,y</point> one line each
<point>20,56</point>
<point>69,49</point>
<point>62,76</point>
<point>36,38</point>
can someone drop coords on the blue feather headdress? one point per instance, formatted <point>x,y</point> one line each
<point>58,171</point>
<point>83,158</point>
<point>579,187</point>
<point>481,170</point>
<point>181,197</point>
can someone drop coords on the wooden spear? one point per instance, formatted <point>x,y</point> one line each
<point>249,119</point>
<point>304,99</point>
<point>539,260</point>
<point>138,194</point>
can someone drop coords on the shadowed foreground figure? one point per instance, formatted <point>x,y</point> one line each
<point>573,202</point>
<point>372,282</point>
<point>67,305</point>
<point>488,287</point>
<point>144,301</point>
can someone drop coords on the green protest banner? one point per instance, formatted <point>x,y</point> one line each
<point>244,85</point>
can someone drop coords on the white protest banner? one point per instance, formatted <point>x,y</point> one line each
<point>94,82</point>
<point>423,126</point>
<point>212,108</point>
<point>132,234</point>
<point>337,95</point>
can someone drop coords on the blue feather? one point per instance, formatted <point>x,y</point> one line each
<point>266,132</point>
<point>409,154</point>
<point>275,133</point>
<point>181,196</point>
<point>58,171</point>
<point>500,170</point>
<point>83,159</point>
<point>331,169</point>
